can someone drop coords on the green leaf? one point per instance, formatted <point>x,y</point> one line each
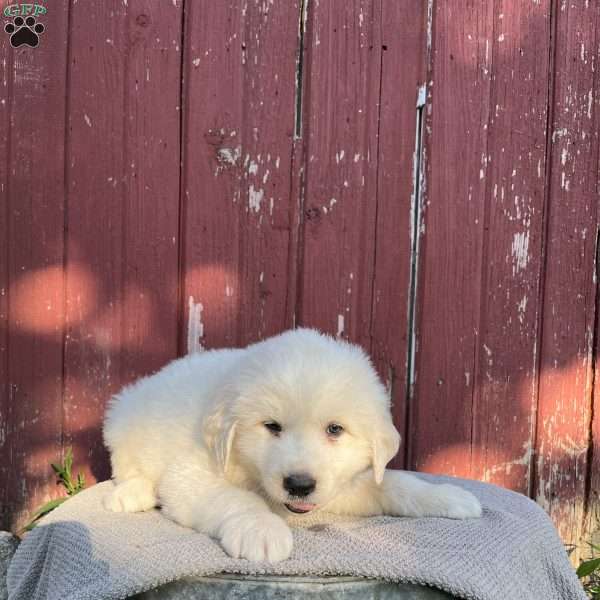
<point>43,511</point>
<point>65,478</point>
<point>68,462</point>
<point>80,483</point>
<point>49,506</point>
<point>587,567</point>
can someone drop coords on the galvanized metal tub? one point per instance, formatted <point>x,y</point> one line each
<point>238,587</point>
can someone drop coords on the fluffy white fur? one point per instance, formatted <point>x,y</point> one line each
<point>193,439</point>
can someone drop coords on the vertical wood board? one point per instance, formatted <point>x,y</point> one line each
<point>565,394</point>
<point>403,81</point>
<point>32,102</point>
<point>450,261</point>
<point>123,189</point>
<point>339,205</point>
<point>240,76</point>
<point>514,166</point>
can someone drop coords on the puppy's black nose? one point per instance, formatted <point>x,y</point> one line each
<point>299,484</point>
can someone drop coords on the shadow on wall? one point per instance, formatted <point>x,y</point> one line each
<point>59,383</point>
<point>28,469</point>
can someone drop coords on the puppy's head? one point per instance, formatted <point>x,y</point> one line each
<point>305,415</point>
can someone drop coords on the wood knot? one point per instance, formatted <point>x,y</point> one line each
<point>312,213</point>
<point>142,20</point>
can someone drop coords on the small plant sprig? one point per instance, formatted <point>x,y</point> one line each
<point>589,572</point>
<point>65,478</point>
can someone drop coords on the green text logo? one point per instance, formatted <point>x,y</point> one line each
<point>22,10</point>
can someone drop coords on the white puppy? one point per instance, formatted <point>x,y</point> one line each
<point>229,442</point>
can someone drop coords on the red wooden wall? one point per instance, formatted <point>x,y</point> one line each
<point>418,177</point>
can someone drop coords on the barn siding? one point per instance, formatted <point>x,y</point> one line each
<point>421,180</point>
<point>570,297</point>
<point>449,282</point>
<point>239,107</point>
<point>32,166</point>
<point>400,129</point>
<point>122,220</point>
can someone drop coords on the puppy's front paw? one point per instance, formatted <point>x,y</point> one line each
<point>453,502</point>
<point>257,537</point>
<point>133,495</point>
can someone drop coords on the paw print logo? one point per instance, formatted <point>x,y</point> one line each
<point>24,31</point>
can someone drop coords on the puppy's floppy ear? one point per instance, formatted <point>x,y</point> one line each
<point>218,431</point>
<point>385,444</point>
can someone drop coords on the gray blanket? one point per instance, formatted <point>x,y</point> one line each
<point>82,552</point>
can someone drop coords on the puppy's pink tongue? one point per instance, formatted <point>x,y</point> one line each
<point>302,505</point>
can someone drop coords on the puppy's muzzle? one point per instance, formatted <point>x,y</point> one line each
<point>299,484</point>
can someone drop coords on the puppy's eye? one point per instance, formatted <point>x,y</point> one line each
<point>274,427</point>
<point>334,430</point>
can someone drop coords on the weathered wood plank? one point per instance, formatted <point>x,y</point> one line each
<point>403,78</point>
<point>5,104</point>
<point>123,188</point>
<point>450,262</point>
<point>565,403</point>
<point>504,403</point>
<point>479,317</point>
<point>32,109</point>
<point>240,67</point>
<point>339,208</point>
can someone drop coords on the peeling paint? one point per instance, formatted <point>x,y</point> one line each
<point>340,325</point>
<point>559,133</point>
<point>229,156</point>
<point>255,197</point>
<point>195,331</point>
<point>520,251</point>
<point>563,156</point>
<point>521,308</point>
<point>524,461</point>
<point>429,26</point>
